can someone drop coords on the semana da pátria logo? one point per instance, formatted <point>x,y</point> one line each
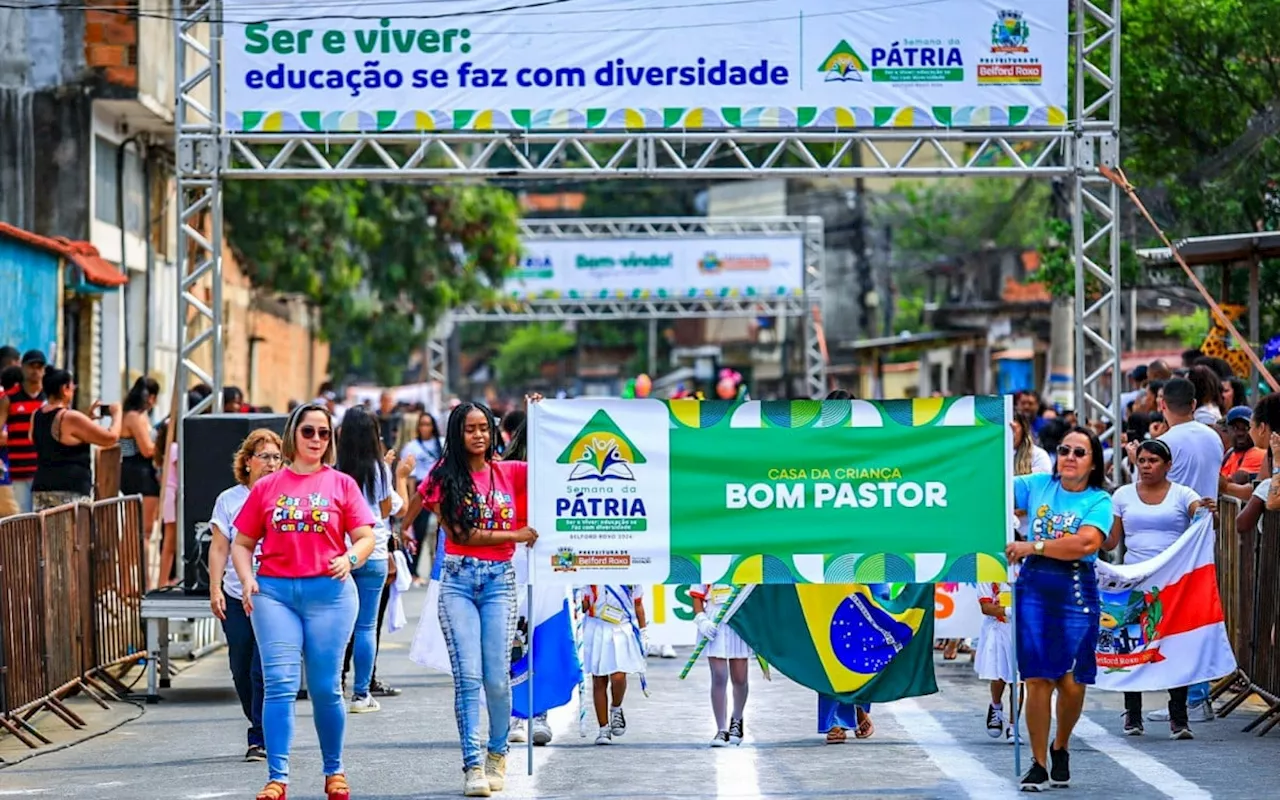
<point>843,64</point>
<point>601,452</point>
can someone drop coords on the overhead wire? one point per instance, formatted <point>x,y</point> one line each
<point>245,19</point>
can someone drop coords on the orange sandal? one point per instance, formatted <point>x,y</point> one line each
<point>837,735</point>
<point>336,788</point>
<point>866,728</point>
<point>275,790</point>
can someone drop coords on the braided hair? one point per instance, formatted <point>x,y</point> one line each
<point>452,472</point>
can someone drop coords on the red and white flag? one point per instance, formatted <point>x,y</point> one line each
<point>1162,623</point>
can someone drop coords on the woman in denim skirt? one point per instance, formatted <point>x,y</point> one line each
<point>481,505</point>
<point>1056,600</point>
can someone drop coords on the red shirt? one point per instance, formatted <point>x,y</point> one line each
<point>302,520</point>
<point>22,451</point>
<point>500,504</point>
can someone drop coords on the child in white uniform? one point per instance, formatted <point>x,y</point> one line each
<point>994,661</point>
<point>727,654</point>
<point>614,642</point>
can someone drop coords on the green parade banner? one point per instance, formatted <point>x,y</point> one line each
<point>807,491</point>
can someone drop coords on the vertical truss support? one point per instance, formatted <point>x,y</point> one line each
<point>198,78</point>
<point>815,366</point>
<point>437,354</point>
<point>1096,214</point>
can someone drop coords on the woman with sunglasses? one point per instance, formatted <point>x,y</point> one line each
<point>1056,603</point>
<point>300,599</point>
<point>257,457</point>
<point>481,504</point>
<point>1150,516</point>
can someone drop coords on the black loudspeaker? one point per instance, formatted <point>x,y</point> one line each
<point>210,444</point>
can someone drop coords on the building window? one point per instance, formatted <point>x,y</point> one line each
<point>107,182</point>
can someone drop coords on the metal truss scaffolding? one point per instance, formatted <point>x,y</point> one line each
<point>809,229</point>
<point>207,155</point>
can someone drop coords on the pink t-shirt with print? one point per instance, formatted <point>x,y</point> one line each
<point>302,520</point>
<point>502,500</point>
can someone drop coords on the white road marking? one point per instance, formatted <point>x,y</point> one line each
<point>736,774</point>
<point>208,795</point>
<point>1145,768</point>
<point>947,754</point>
<point>23,792</point>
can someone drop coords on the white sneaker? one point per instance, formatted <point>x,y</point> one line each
<point>668,651</point>
<point>617,722</point>
<point>1202,712</point>
<point>516,732</point>
<point>1161,715</point>
<point>1008,734</point>
<point>363,705</point>
<point>541,732</point>
<point>605,736</point>
<point>475,783</point>
<point>721,739</point>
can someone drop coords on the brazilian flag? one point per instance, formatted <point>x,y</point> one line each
<point>857,643</point>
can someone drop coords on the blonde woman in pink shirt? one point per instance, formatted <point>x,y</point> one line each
<point>301,599</point>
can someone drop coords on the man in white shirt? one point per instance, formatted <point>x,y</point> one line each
<point>1197,458</point>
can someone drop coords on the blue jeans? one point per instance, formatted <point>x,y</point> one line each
<point>246,667</point>
<point>478,615</point>
<point>296,620</point>
<point>22,493</point>
<point>1197,694</point>
<point>369,582</point>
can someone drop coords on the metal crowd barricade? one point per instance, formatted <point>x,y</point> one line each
<point>70,596</point>
<point>1266,618</point>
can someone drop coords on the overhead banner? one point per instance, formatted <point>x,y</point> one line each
<point>689,491</point>
<point>576,65</point>
<point>759,266</point>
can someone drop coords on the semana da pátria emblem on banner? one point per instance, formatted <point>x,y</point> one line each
<point>771,492</point>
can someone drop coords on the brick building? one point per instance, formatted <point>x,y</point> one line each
<point>86,153</point>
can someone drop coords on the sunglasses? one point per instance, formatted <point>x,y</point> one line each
<point>312,432</point>
<point>1078,452</point>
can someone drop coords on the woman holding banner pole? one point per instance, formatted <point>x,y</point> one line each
<point>481,504</point>
<point>1150,516</point>
<point>835,719</point>
<point>1056,603</point>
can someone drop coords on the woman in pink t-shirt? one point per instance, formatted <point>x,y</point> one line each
<point>481,504</point>
<point>300,599</point>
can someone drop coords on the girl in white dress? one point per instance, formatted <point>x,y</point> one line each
<point>994,661</point>
<point>614,641</point>
<point>727,654</point>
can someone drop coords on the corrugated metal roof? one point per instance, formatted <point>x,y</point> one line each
<point>1223,249</point>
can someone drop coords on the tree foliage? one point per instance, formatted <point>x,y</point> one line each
<point>1201,120</point>
<point>1189,329</point>
<point>521,356</point>
<point>937,221</point>
<point>380,261</point>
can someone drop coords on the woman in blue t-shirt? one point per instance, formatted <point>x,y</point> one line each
<point>1056,602</point>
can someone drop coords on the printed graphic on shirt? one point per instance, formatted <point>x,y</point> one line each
<point>1054,526</point>
<point>495,511</point>
<point>292,515</point>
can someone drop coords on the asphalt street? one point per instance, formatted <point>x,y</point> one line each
<point>189,748</point>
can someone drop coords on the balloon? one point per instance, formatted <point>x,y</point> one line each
<point>643,385</point>
<point>726,389</point>
<point>629,391</point>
